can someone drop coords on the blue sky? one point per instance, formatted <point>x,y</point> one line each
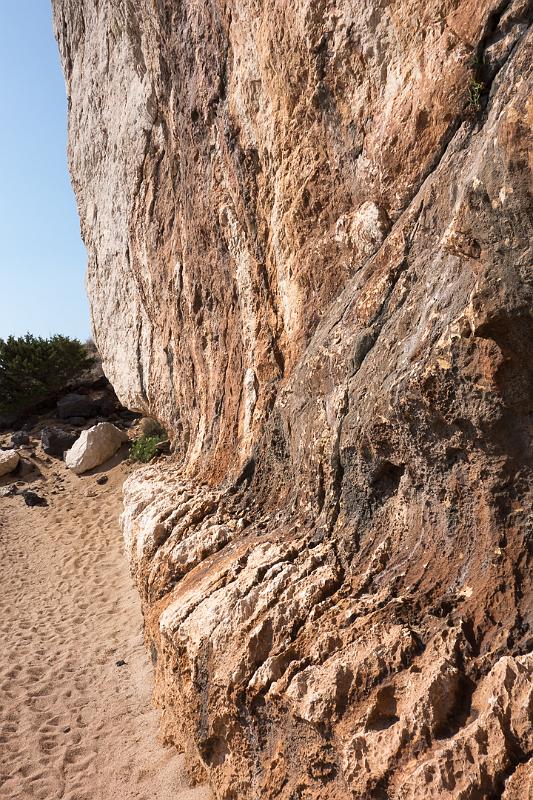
<point>42,258</point>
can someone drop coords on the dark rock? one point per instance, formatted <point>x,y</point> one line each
<point>77,421</point>
<point>66,729</point>
<point>121,663</point>
<point>100,383</point>
<point>108,404</point>
<point>102,480</point>
<point>33,499</point>
<point>56,441</point>
<point>76,405</point>
<point>20,438</point>
<point>129,415</point>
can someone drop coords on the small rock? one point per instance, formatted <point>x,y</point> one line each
<point>8,491</point>
<point>9,460</point>
<point>20,439</point>
<point>120,662</point>
<point>102,480</point>
<point>33,499</point>
<point>67,729</point>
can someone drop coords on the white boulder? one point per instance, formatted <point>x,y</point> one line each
<point>9,460</point>
<point>94,446</point>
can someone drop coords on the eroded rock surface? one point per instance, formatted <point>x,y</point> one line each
<point>309,232</point>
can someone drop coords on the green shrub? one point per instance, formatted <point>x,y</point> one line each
<point>145,448</point>
<point>33,369</point>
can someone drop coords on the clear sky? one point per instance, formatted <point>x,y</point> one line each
<point>42,258</point>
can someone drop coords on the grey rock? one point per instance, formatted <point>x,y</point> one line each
<point>20,439</point>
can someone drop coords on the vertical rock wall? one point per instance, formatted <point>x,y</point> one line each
<point>309,231</point>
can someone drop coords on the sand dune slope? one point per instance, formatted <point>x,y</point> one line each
<point>73,724</point>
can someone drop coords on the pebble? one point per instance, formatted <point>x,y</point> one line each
<point>33,499</point>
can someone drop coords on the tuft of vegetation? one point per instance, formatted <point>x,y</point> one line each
<point>475,94</point>
<point>34,370</point>
<point>477,88</point>
<point>145,447</point>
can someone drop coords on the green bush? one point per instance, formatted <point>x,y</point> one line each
<point>33,369</point>
<point>145,448</point>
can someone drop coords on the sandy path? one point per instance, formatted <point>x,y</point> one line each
<point>73,725</point>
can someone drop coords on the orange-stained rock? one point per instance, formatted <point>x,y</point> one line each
<point>309,232</point>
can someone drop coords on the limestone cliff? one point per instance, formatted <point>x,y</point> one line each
<point>309,228</point>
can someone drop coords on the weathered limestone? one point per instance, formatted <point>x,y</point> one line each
<point>309,232</point>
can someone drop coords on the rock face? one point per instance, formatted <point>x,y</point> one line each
<point>9,461</point>
<point>309,233</point>
<point>94,447</point>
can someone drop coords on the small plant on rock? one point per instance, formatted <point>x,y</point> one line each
<point>475,93</point>
<point>144,449</point>
<point>477,87</point>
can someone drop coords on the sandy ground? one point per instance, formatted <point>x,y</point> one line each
<point>73,724</point>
